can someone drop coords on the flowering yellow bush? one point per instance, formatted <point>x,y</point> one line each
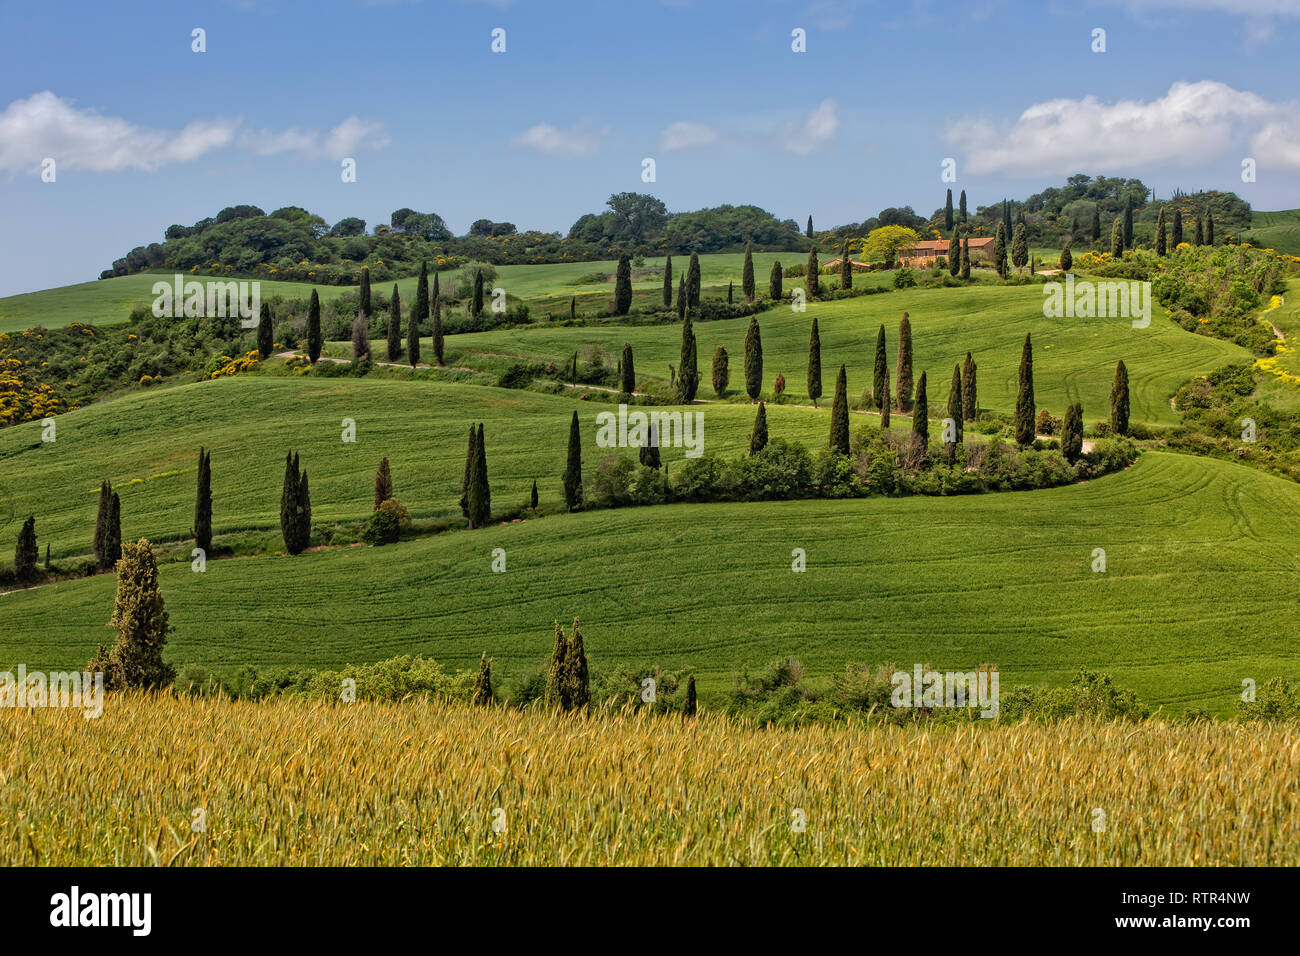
<point>244,363</point>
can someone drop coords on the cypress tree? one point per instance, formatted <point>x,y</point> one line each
<point>731,286</point>
<point>693,281</point>
<point>884,410</point>
<point>289,504</point>
<point>413,334</point>
<point>142,624</point>
<point>575,663</point>
<point>395,326</point>
<point>483,684</point>
<point>557,691</point>
<point>534,496</point>
<point>113,533</point>
<point>846,269</point>
<point>1209,228</point>
<point>1072,433</point>
<point>478,292</point>
<point>1020,246</point>
<point>904,364</point>
<point>962,206</point>
<point>1117,238</point>
<point>1128,224</point>
<point>649,454</point>
<point>101,524</point>
<point>921,417</point>
<point>758,437</point>
<point>880,370</point>
<point>47,556</point>
<point>27,551</point>
<point>1096,222</point>
<point>439,344</point>
<point>947,212</point>
<point>302,512</point>
<point>839,442</point>
<point>471,451</point>
<point>721,373</point>
<point>1119,400</point>
<point>954,254</point>
<point>1066,262</point>
<point>1024,422</point>
<point>753,360</point>
<point>747,275</point>
<point>422,295</point>
<point>480,494</point>
<point>681,298</point>
<point>812,277</point>
<point>1200,231</point>
<point>383,483</point>
<point>265,334</point>
<point>969,400</point>
<point>1000,251</point>
<point>202,530</point>
<point>814,363</point>
<point>360,339</point>
<point>365,291</point>
<point>668,283</point>
<point>314,342</point>
<point>1162,246</point>
<point>1178,228</point>
<point>955,412</point>
<point>628,371</point>
<point>573,307</point>
<point>688,375</point>
<point>965,258</point>
<point>809,232</point>
<point>623,286</point>
<point>573,469</point>
<point>775,280</point>
<point>688,708</point>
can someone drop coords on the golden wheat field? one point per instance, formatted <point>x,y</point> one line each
<point>295,782</point>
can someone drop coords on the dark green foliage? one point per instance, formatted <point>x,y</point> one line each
<point>383,483</point>
<point>846,268</point>
<point>688,374</point>
<point>753,360</point>
<point>1006,219</point>
<point>969,397</point>
<point>731,288</point>
<point>533,501</point>
<point>573,305</point>
<point>314,341</point>
<point>668,283</point>
<point>921,417</point>
<point>573,468</point>
<point>1119,400</point>
<point>360,340</point>
<point>556,689</point>
<point>962,206</point>
<point>693,281</point>
<point>1128,224</point>
<point>681,298</point>
<point>839,442</point>
<point>413,336</point>
<point>879,370</point>
<point>627,371</point>
<point>955,411</point>
<point>1095,234</point>
<point>954,254</point>
<point>689,706</point>
<point>421,313</point>
<point>758,437</point>
<point>947,212</point>
<point>439,344</point>
<point>141,621</point>
<point>202,529</point>
<point>814,363</point>
<point>1072,433</point>
<point>365,292</point>
<point>483,683</point>
<point>1200,231</point>
<point>471,450</point>
<point>747,275</point>
<point>480,494</point>
<point>26,552</point>
<point>904,364</point>
<point>1177,229</point>
<point>478,293</point>
<point>1020,246</point>
<point>1209,228</point>
<point>1117,239</point>
<point>101,525</point>
<point>578,681</point>
<point>395,326</point>
<point>1162,239</point>
<point>649,453</point>
<point>812,275</point>
<point>965,258</point>
<point>623,286</point>
<point>1024,422</point>
<point>1066,261</point>
<point>265,333</point>
<point>775,282</point>
<point>113,531</point>
<point>884,409</point>
<point>295,507</point>
<point>808,231</point>
<point>1000,251</point>
<point>721,371</point>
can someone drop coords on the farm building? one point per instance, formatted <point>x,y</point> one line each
<point>925,252</point>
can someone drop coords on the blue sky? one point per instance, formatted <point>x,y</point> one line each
<point>146,132</point>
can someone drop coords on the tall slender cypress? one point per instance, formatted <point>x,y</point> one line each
<point>721,371</point>
<point>1072,433</point>
<point>1024,421</point>
<point>628,372</point>
<point>812,276</point>
<point>846,267</point>
<point>904,364</point>
<point>954,254</point>
<point>814,363</point>
<point>623,286</point>
<point>265,333</point>
<point>202,530</point>
<point>1209,227</point>
<point>681,297</point>
<point>471,450</point>
<point>101,524</point>
<point>747,274</point>
<point>113,533</point>
<point>1020,246</point>
<point>884,410</point>
<point>573,468</point>
<point>668,283</point>
<point>314,342</point>
<point>1000,251</point>
<point>965,258</point>
<point>947,212</point>
<point>1178,228</point>
<point>27,551</point>
<point>955,412</point>
<point>413,333</point>
<point>365,291</point>
<point>438,342</point>
<point>775,280</point>
<point>693,281</point>
<point>478,292</point>
<point>1200,231</point>
<point>753,360</point>
<point>809,231</point>
<point>921,417</point>
<point>962,206</point>
<point>1117,239</point>
<point>480,494</point>
<point>1119,400</point>
<point>1128,224</point>
<point>1162,239</point>
<point>880,370</point>
<point>383,483</point>
<point>969,399</point>
<point>422,294</point>
<point>839,442</point>
<point>688,374</point>
<point>758,437</point>
<point>395,326</point>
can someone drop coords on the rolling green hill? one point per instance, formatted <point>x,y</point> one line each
<point>1198,592</point>
<point>1275,230</point>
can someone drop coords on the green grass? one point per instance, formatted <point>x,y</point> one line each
<point>1199,592</point>
<point>1074,359</point>
<point>146,444</point>
<point>1278,230</point>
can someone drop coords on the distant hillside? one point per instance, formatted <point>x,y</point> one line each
<point>1275,230</point>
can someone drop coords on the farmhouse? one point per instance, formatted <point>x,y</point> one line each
<point>925,252</point>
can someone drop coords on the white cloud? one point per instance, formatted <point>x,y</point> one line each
<point>48,125</point>
<point>577,140</point>
<point>684,135</point>
<point>814,132</point>
<point>1190,124</point>
<point>1246,8</point>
